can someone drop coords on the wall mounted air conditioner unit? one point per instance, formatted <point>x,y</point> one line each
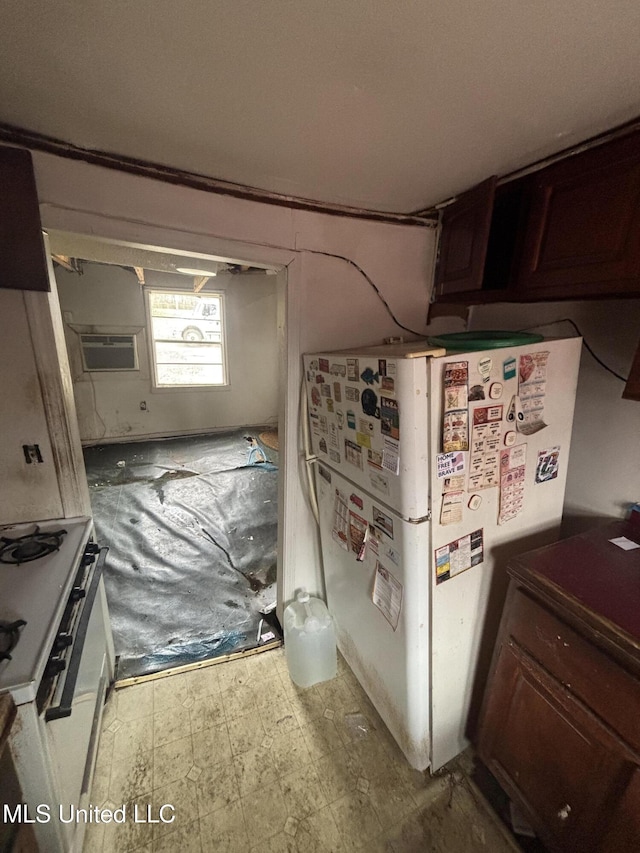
<point>109,352</point>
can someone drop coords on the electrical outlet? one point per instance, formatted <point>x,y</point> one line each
<point>32,453</point>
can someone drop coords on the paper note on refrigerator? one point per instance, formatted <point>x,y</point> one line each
<point>340,531</point>
<point>532,389</point>
<point>451,511</point>
<point>512,479</point>
<point>387,595</point>
<point>455,428</point>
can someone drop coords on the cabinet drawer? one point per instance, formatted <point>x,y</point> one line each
<point>591,675</point>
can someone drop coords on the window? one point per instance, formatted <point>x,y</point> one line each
<point>187,337</point>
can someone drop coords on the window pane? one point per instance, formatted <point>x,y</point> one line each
<point>188,353</point>
<point>190,374</point>
<point>187,334</point>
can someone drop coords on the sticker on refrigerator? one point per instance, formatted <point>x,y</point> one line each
<point>532,390</point>
<point>326,475</point>
<point>334,456</point>
<point>325,389</point>
<point>453,484</point>
<point>330,406</point>
<point>379,482</point>
<point>459,555</point>
<point>315,396</point>
<point>323,364</point>
<point>313,364</point>
<point>476,392</point>
<point>352,394</point>
<point>382,366</point>
<point>369,402</point>
<point>366,426</point>
<point>548,463</point>
<point>383,521</point>
<point>353,453</point>
<point>358,528</point>
<point>368,376</point>
<point>389,417</point>
<point>484,461</point>
<point>340,418</point>
<point>484,367</point>
<point>334,435</point>
<point>374,457</point>
<point>391,456</point>
<point>509,368</point>
<point>363,439</point>
<point>455,433</point>
<point>353,370</point>
<point>315,424</point>
<point>388,384</point>
<point>338,370</point>
<point>387,595</point>
<point>512,481</point>
<point>322,420</point>
<point>356,500</point>
<point>448,464</point>
<point>340,531</point>
<point>391,554</point>
<point>337,392</point>
<point>451,510</point>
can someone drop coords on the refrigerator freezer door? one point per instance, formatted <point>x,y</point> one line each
<point>385,644</point>
<point>368,419</point>
<point>466,607</point>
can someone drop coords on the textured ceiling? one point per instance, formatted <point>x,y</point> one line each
<point>392,105</point>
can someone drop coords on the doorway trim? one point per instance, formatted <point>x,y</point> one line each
<point>62,418</point>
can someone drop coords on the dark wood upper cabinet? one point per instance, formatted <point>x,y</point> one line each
<point>583,233</point>
<point>463,244</point>
<point>23,262</point>
<point>568,231</point>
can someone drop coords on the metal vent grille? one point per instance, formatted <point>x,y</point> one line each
<point>109,352</point>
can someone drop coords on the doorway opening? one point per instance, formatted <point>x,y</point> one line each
<point>174,360</point>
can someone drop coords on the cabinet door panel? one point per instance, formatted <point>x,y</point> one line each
<point>23,264</point>
<point>551,754</point>
<point>583,233</point>
<point>463,240</point>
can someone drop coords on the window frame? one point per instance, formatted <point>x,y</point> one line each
<point>156,387</point>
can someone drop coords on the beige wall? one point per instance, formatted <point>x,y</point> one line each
<point>28,492</point>
<point>109,299</point>
<point>328,303</point>
<point>604,466</point>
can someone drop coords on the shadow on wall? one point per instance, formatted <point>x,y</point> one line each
<point>580,522</point>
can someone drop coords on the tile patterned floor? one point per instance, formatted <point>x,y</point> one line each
<point>250,762</point>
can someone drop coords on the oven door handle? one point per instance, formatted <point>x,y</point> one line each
<point>66,700</point>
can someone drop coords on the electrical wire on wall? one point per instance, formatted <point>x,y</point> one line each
<point>371,284</point>
<point>584,342</point>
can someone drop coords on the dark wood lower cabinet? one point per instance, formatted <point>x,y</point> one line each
<point>560,723</point>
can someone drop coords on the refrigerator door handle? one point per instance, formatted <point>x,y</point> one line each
<point>309,458</point>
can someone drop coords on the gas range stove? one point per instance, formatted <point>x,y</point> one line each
<point>39,565</point>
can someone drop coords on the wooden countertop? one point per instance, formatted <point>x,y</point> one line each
<point>593,579</point>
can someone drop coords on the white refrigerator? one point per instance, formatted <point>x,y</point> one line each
<point>431,469</point>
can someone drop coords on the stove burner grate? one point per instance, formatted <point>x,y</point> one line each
<point>9,636</point>
<point>30,547</point>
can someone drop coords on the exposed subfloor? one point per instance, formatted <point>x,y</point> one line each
<point>192,530</point>
<point>252,763</point>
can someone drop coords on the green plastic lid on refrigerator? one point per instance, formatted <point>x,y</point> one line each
<point>469,341</point>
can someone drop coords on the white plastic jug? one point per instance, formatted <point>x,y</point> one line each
<point>309,641</point>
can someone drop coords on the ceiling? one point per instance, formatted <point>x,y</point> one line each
<point>389,106</point>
